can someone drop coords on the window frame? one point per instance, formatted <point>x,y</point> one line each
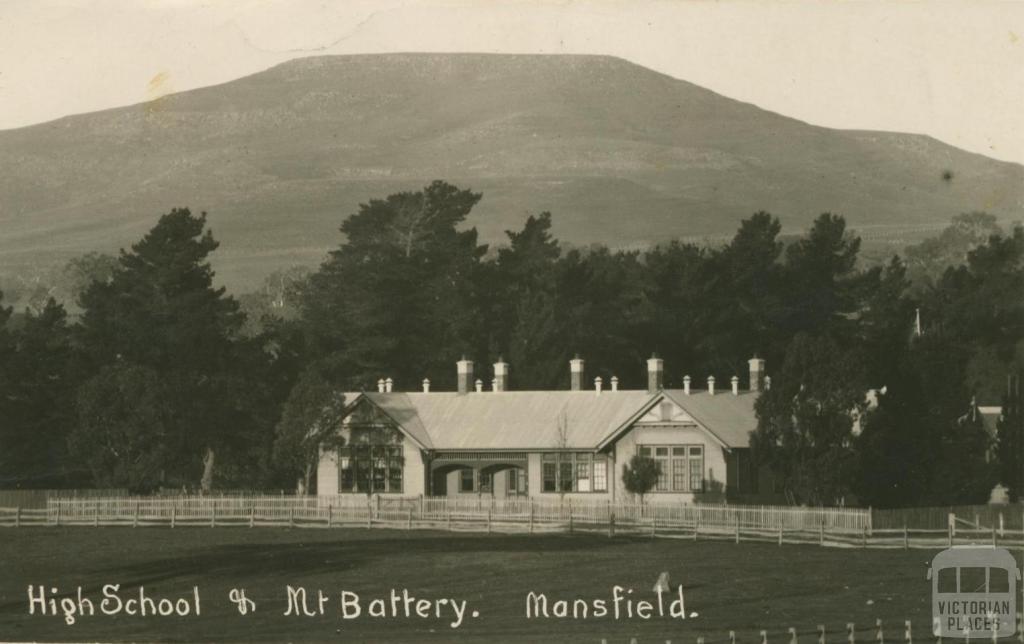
<point>691,461</point>
<point>556,467</point>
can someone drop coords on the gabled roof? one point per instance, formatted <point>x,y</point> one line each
<point>729,417</point>
<point>530,420</point>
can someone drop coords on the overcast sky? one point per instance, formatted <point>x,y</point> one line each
<point>954,70</point>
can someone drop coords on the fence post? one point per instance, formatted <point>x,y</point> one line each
<point>1001,525</point>
<point>864,537</point>
<point>570,518</point>
<point>135,519</point>
<point>252,516</point>
<point>611,523</point>
<point>58,514</point>
<point>421,507</point>
<point>291,517</point>
<point>851,636</point>
<point>737,528</point>
<point>96,514</point>
<point>448,517</point>
<point>993,534</point>
<point>377,516</point>
<point>408,520</point>
<point>821,533</point>
<point>330,515</point>
<point>780,534</point>
<point>531,516</point>
<point>174,512</point>
<point>951,527</point>
<point>213,515</point>
<point>17,517</point>
<point>906,538</point>
<point>696,525</point>
<point>654,525</point>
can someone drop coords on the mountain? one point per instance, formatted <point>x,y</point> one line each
<point>620,154</point>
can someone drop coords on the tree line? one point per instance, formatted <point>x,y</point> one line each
<point>161,379</point>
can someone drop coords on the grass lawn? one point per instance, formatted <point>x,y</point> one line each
<point>744,587</point>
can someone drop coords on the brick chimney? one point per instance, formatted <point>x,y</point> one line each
<point>598,384</point>
<point>380,386</point>
<point>501,375</point>
<point>655,374</point>
<point>735,385</point>
<point>576,373</point>
<point>711,385</point>
<point>615,383</point>
<point>426,385</point>
<point>756,373</point>
<point>388,384</point>
<point>686,385</point>
<point>465,369</point>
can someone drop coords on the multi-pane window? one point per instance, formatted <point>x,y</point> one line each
<point>696,468</point>
<point>370,469</point>
<point>679,474</point>
<point>574,472</point>
<point>550,474</point>
<point>681,467</point>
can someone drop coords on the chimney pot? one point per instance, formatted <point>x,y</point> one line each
<point>767,383</point>
<point>576,366</point>
<point>465,371</point>
<point>615,383</point>
<point>686,385</point>
<point>388,384</point>
<point>597,384</point>
<point>479,385</point>
<point>380,386</point>
<point>735,385</point>
<point>426,385</point>
<point>655,374</point>
<point>756,373</point>
<point>711,385</point>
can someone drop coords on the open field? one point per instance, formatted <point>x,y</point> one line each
<point>743,587</point>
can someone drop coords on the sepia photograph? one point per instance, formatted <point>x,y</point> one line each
<point>593,321</point>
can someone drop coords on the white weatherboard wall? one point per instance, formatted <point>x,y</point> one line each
<point>626,448</point>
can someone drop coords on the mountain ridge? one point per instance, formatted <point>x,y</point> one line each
<point>620,154</point>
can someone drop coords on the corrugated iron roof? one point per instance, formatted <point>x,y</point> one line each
<point>532,419</point>
<point>729,417</point>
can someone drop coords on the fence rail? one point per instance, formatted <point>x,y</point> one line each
<point>38,498</point>
<point>823,526</point>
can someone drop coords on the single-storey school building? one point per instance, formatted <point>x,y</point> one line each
<point>548,444</point>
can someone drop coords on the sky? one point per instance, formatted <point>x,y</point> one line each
<point>950,69</point>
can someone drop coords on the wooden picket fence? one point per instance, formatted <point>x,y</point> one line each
<point>457,513</point>
<point>823,526</point>
<point>903,633</point>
